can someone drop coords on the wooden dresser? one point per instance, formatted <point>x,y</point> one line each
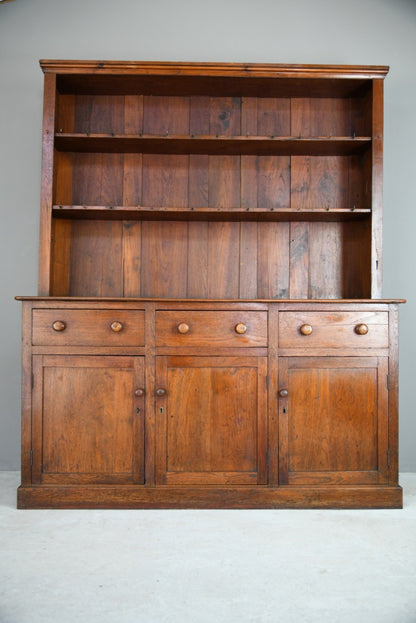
<point>209,330</point>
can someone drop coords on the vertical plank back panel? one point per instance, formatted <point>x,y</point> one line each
<point>223,259</point>
<point>133,114</point>
<point>325,260</point>
<point>248,260</point>
<point>224,181</point>
<point>273,260</point>
<point>96,258</point>
<point>225,116</point>
<point>132,258</point>
<point>273,116</point>
<point>299,260</point>
<point>164,259</point>
<point>198,233</point>
<point>165,180</point>
<point>61,250</point>
<point>165,115</point>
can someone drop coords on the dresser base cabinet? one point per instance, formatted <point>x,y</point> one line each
<point>254,405</point>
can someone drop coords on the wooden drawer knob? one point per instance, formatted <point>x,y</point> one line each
<point>361,329</point>
<point>58,325</point>
<point>139,392</point>
<point>116,326</point>
<point>306,329</point>
<point>160,392</point>
<point>283,393</point>
<point>240,328</point>
<point>183,328</point>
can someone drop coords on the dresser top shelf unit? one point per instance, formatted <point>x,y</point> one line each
<point>211,180</point>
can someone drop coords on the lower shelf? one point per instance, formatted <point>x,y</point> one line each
<point>93,496</point>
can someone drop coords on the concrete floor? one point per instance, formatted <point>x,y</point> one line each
<point>181,566</point>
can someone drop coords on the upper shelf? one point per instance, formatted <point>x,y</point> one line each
<point>228,79</point>
<point>224,145</point>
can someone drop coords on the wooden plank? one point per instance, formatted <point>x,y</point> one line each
<point>45,232</point>
<point>249,116</point>
<point>199,115</point>
<point>223,259</point>
<point>132,180</point>
<point>225,116</point>
<point>325,260</point>
<point>96,258</point>
<point>163,116</point>
<point>319,182</point>
<point>273,181</point>
<point>198,233</point>
<point>165,180</point>
<point>299,260</point>
<point>377,190</point>
<point>360,496</point>
<point>224,181</point>
<point>393,396</point>
<point>248,260</point>
<point>273,260</point>
<point>61,250</point>
<point>26,388</point>
<point>273,116</point>
<point>164,259</point>
<point>133,114</point>
<point>132,258</point>
<point>272,392</point>
<point>198,181</point>
<point>98,179</point>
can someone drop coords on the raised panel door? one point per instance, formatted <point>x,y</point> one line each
<point>87,419</point>
<point>333,414</point>
<point>211,420</point>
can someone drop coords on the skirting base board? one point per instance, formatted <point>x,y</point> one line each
<point>139,497</point>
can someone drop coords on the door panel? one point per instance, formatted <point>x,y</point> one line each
<point>334,420</point>
<point>88,427</point>
<point>212,423</point>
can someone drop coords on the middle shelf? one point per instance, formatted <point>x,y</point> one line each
<point>209,144</point>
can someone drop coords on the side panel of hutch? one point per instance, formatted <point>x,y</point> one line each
<point>209,329</point>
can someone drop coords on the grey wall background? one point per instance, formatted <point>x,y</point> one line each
<point>380,32</point>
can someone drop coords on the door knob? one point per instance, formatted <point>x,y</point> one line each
<point>160,391</point>
<point>58,325</point>
<point>283,393</point>
<point>116,326</point>
<point>139,392</point>
<point>183,328</point>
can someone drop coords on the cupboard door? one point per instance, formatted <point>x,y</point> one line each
<point>333,414</point>
<point>88,420</point>
<point>211,420</point>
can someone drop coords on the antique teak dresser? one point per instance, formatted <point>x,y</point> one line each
<point>209,329</point>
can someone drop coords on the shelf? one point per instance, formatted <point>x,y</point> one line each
<point>202,214</point>
<point>221,145</point>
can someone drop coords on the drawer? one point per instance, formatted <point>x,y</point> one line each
<point>87,327</point>
<point>364,329</point>
<point>211,328</point>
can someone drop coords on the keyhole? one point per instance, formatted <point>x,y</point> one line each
<point>161,409</point>
<point>284,409</point>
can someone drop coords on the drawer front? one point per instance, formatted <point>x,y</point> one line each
<point>211,328</point>
<point>322,329</point>
<point>87,327</point>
